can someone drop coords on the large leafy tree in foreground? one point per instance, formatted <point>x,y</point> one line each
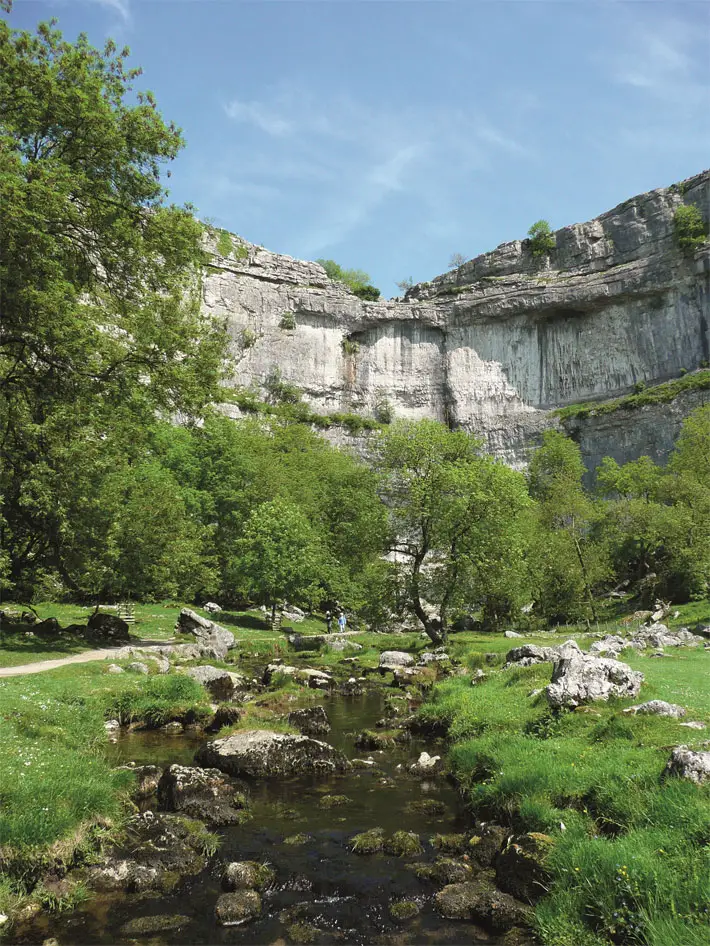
<point>100,323</point>
<point>458,516</point>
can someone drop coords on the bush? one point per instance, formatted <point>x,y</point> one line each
<point>224,244</point>
<point>689,227</point>
<point>288,321</point>
<point>368,293</point>
<point>542,239</point>
<point>349,346</point>
<point>248,338</point>
<point>280,391</point>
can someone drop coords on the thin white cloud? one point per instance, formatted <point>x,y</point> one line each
<point>121,7</point>
<point>338,161</point>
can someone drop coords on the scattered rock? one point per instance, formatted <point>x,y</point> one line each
<point>206,794</point>
<point>233,909</point>
<point>426,765</point>
<point>404,844</point>
<point>694,724</point>
<point>657,708</point>
<point>689,764</point>
<point>218,683</point>
<point>478,677</point>
<point>147,778</point>
<point>390,659</point>
<point>334,801</point>
<point>445,870</point>
<point>112,725</point>
<point>611,645</point>
<point>403,910</point>
<point>247,875</point>
<point>431,657</point>
<point>315,679</point>
<point>260,753</point>
<point>584,678</point>
<point>311,721</point>
<point>212,607</point>
<point>225,715</point>
<point>213,639</point>
<point>114,668</point>
<point>138,667</point>
<point>341,644</point>
<point>301,642</point>
<point>149,925</point>
<point>159,849</point>
<point>520,866</point>
<point>476,901</point>
<point>512,634</point>
<point>108,627</point>
<point>528,654</point>
<point>173,727</point>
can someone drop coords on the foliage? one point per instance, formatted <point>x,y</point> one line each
<point>350,346</point>
<point>657,394</point>
<point>689,227</point>
<point>404,285</point>
<point>248,338</point>
<point>280,391</point>
<point>456,260</point>
<point>288,322</point>
<point>458,514</point>
<point>542,239</point>
<point>280,557</point>
<point>355,279</point>
<point>101,324</point>
<point>224,244</point>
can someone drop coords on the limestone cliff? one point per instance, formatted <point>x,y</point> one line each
<point>494,345</point>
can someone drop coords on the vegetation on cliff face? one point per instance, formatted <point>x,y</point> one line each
<point>355,279</point>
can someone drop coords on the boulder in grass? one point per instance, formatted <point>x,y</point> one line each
<point>657,708</point>
<point>689,764</point>
<point>213,639</point>
<point>218,683</point>
<point>107,627</point>
<point>585,678</point>
<point>392,659</point>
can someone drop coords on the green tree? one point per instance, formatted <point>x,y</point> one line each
<point>457,516</point>
<point>101,323</point>
<point>281,556</point>
<point>689,226</point>
<point>542,239</point>
<point>456,260</point>
<point>568,561</point>
<point>356,280</point>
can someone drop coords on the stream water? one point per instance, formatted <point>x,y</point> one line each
<point>320,882</point>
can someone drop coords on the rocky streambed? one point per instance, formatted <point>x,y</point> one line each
<point>355,848</point>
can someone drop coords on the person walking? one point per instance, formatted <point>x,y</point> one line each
<point>328,621</point>
<point>342,621</point>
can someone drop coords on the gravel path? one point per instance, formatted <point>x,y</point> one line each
<point>85,657</point>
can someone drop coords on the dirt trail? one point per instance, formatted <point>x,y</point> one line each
<point>85,657</point>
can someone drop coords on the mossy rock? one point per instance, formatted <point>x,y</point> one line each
<point>481,902</point>
<point>521,866</point>
<point>431,807</point>
<point>238,907</point>
<point>368,842</point>
<point>445,870</point>
<point>450,843</point>
<point>404,844</point>
<point>246,875</point>
<point>369,739</point>
<point>302,933</point>
<point>149,925</point>
<point>334,801</point>
<point>403,910</point>
<point>297,839</point>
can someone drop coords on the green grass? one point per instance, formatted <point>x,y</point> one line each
<point>657,394</point>
<point>633,863</point>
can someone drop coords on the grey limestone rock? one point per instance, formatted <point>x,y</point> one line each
<point>657,708</point>
<point>391,659</point>
<point>311,721</point>
<point>206,794</point>
<point>260,753</point>
<point>585,678</point>
<point>233,909</point>
<point>218,683</point>
<point>689,764</point>
<point>137,667</point>
<point>213,639</point>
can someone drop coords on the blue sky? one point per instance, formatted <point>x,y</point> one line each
<point>389,135</point>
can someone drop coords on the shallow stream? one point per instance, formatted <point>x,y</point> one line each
<point>319,882</point>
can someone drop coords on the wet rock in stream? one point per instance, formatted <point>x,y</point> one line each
<point>479,901</point>
<point>261,753</point>
<point>232,909</point>
<point>247,875</point>
<point>311,721</point>
<point>206,794</point>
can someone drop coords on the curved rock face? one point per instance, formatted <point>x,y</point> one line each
<point>495,344</point>
<point>260,753</point>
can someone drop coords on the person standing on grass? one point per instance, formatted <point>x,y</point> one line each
<point>342,621</point>
<point>328,621</point>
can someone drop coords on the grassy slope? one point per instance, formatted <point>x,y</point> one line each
<point>632,864</point>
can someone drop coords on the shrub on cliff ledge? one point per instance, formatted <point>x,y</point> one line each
<point>689,227</point>
<point>542,239</point>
